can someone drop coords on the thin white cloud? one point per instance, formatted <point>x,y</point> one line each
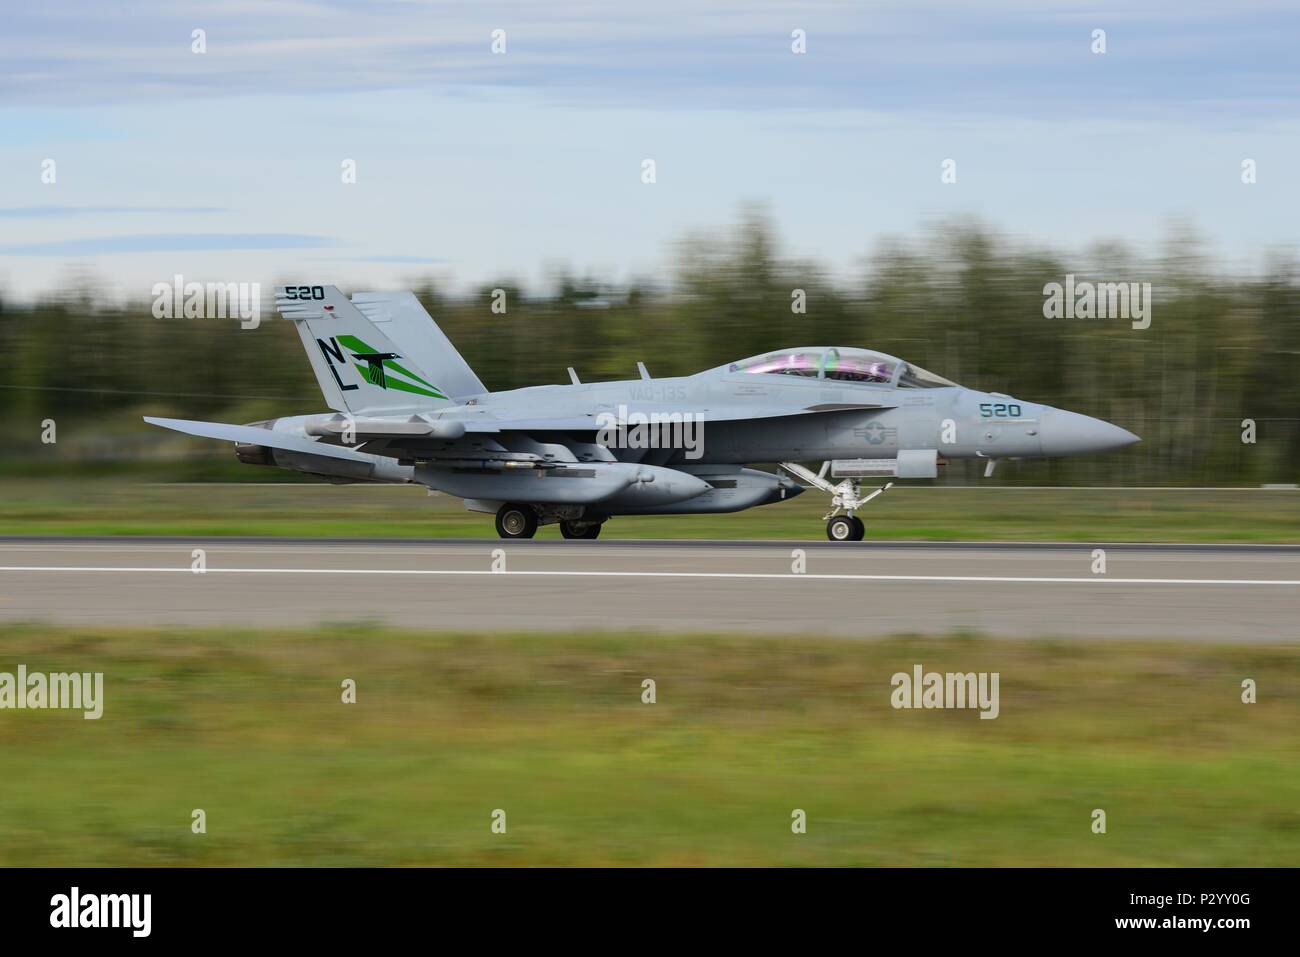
<point>1013,57</point>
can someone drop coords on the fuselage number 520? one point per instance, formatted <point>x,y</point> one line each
<point>999,410</point>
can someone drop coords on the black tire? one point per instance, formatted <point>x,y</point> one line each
<point>516,521</point>
<point>860,530</point>
<point>842,529</point>
<point>580,529</point>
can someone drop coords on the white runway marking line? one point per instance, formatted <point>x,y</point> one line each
<point>767,576</point>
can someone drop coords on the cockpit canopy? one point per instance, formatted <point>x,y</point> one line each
<point>842,365</point>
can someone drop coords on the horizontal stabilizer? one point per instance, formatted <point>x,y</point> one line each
<point>252,435</point>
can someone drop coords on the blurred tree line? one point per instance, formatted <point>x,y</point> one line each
<point>959,300</point>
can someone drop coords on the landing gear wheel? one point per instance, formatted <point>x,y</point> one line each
<point>579,529</point>
<point>860,530</point>
<point>843,528</point>
<point>516,521</point>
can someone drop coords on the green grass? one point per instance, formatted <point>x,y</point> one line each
<point>117,506</point>
<point>448,727</point>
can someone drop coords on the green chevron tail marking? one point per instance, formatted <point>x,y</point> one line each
<point>377,370</point>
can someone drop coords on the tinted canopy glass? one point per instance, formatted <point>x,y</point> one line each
<point>914,377</point>
<point>844,365</point>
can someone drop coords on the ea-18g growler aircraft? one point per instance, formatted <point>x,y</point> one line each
<point>408,409</point>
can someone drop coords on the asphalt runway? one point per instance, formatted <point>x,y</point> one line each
<point>1206,593</point>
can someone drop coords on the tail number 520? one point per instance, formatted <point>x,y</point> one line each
<point>304,292</point>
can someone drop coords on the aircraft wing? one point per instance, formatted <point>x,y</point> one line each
<point>587,422</point>
<point>451,425</point>
<point>440,437</point>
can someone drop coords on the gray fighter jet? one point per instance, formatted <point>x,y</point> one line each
<point>408,409</point>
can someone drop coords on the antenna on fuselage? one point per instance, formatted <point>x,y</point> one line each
<point>573,377</point>
<point>640,367</point>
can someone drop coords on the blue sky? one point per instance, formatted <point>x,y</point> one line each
<point>473,166</point>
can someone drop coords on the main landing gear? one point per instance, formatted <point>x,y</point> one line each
<point>521,521</point>
<point>516,521</point>
<point>846,497</point>
<point>579,529</point>
<point>845,528</point>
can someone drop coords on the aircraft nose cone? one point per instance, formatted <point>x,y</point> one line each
<point>1069,433</point>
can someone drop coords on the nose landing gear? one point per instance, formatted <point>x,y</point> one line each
<point>846,496</point>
